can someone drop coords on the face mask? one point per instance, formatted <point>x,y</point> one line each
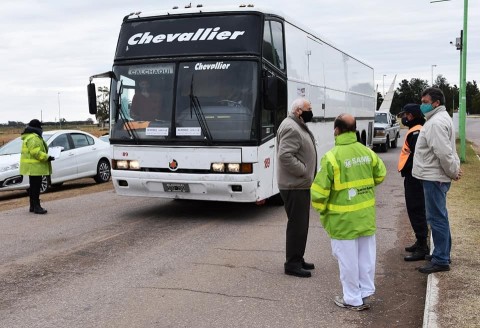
<point>425,108</point>
<point>306,116</point>
<point>405,121</point>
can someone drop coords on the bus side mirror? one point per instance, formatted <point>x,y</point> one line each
<point>92,98</point>
<point>270,92</point>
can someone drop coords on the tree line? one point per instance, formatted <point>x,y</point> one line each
<point>407,92</point>
<point>411,92</point>
<point>15,124</point>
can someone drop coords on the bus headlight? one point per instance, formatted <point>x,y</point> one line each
<point>134,165</point>
<point>120,165</point>
<point>242,168</point>
<point>125,165</point>
<point>218,167</point>
<point>233,168</point>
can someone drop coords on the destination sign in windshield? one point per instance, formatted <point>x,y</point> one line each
<point>156,69</point>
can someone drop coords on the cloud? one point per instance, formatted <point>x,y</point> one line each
<point>49,49</point>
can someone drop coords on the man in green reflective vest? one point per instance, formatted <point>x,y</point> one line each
<point>343,192</point>
<point>35,162</point>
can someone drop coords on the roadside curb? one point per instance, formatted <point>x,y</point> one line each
<point>431,297</point>
<point>431,300</point>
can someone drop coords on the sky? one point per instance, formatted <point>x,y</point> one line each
<point>50,48</point>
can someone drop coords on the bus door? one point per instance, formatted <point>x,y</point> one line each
<point>266,173</point>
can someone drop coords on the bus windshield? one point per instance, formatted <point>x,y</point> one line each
<point>212,101</point>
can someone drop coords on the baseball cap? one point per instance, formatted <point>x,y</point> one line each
<point>413,109</point>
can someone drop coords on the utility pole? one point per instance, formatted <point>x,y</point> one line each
<point>463,84</point>
<point>59,121</point>
<point>383,94</point>
<point>462,96</point>
<point>432,73</point>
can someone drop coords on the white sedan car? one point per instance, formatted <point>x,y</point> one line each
<point>81,155</point>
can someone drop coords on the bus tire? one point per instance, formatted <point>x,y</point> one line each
<point>276,200</point>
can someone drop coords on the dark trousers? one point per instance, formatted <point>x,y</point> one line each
<point>415,202</point>
<point>34,191</point>
<point>297,206</point>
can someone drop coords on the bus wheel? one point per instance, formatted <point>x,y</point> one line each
<point>276,200</point>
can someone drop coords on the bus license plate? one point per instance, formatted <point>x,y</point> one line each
<point>176,187</point>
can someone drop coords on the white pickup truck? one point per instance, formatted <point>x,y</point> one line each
<point>386,131</point>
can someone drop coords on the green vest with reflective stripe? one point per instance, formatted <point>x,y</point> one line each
<point>34,157</point>
<point>343,191</point>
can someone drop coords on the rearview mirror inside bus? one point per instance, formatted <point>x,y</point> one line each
<point>92,98</point>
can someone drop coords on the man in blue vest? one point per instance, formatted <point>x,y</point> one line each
<point>412,118</point>
<point>343,192</point>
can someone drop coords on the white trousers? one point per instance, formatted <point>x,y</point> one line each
<point>356,261</point>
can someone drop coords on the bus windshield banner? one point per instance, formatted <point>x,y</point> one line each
<point>229,34</point>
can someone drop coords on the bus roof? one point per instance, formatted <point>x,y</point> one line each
<point>189,10</point>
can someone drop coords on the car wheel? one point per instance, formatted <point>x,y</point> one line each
<point>393,144</point>
<point>384,147</point>
<point>45,184</point>
<point>103,171</point>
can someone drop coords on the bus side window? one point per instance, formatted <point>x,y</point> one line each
<point>268,119</point>
<point>273,49</point>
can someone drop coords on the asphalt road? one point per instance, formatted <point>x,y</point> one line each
<point>101,260</point>
<point>473,130</point>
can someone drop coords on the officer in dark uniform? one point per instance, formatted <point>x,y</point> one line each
<point>412,117</point>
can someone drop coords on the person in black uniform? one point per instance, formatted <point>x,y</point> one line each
<point>412,117</point>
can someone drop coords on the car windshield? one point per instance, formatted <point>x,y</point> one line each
<point>15,146</point>
<point>212,101</point>
<point>381,118</point>
<point>12,147</point>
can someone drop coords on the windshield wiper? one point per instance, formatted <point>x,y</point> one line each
<point>195,104</point>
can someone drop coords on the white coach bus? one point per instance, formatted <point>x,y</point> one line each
<point>197,95</point>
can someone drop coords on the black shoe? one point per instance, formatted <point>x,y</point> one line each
<point>39,210</point>
<point>429,258</point>
<point>298,272</point>
<point>308,266</point>
<point>31,209</point>
<point>412,248</point>
<point>432,267</point>
<point>418,255</point>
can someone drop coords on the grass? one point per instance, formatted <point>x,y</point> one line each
<point>459,298</point>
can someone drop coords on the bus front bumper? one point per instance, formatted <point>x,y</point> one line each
<point>214,187</point>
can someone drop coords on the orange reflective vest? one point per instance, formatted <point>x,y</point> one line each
<point>405,153</point>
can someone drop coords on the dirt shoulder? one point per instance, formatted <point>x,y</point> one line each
<point>459,289</point>
<point>18,198</point>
